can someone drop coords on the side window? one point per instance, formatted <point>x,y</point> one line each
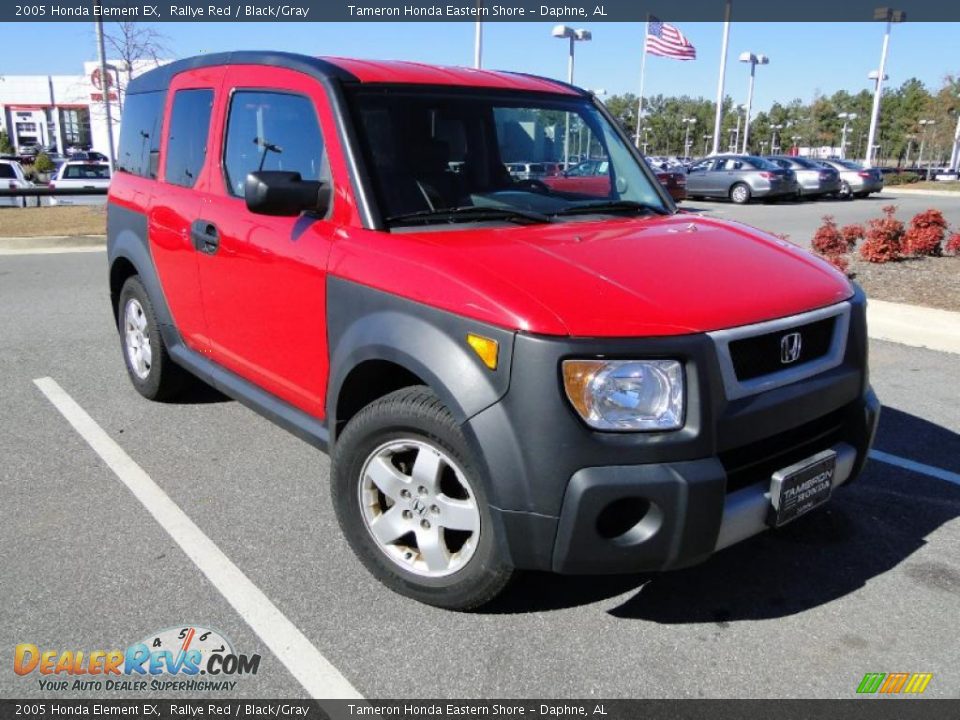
<point>140,134</point>
<point>6,172</point>
<point>187,140</point>
<point>272,131</point>
<point>703,166</point>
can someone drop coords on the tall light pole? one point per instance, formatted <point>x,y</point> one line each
<point>796,142</point>
<point>723,69</point>
<point>706,140</point>
<point>774,146</point>
<point>574,36</point>
<point>736,142</point>
<point>955,152</point>
<point>686,138</point>
<point>924,124</point>
<point>754,60</point>
<point>105,84</point>
<point>890,16</point>
<point>847,119</point>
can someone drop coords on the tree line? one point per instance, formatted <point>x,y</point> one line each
<point>813,124</point>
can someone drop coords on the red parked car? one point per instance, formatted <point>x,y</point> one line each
<point>508,375</point>
<point>675,181</point>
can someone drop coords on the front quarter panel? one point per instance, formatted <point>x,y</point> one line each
<point>365,324</point>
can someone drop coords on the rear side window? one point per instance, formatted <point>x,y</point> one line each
<point>272,131</point>
<point>187,141</point>
<point>86,172</point>
<point>140,134</point>
<point>6,172</point>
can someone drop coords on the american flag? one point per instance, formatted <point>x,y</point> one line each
<point>665,40</point>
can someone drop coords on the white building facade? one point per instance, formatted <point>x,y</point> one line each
<point>56,112</point>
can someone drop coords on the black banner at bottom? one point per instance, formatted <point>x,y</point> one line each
<point>874,708</point>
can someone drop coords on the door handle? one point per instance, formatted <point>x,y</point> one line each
<point>205,236</point>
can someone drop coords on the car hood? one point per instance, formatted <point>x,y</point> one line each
<point>611,278</point>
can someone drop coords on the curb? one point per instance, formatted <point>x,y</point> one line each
<point>931,193</point>
<point>914,325</point>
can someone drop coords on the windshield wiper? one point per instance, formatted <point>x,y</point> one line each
<point>468,213</point>
<point>611,206</point>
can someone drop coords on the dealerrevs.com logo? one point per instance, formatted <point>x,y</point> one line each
<point>199,658</point>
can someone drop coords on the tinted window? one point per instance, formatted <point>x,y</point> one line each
<point>140,134</point>
<point>6,171</point>
<point>86,172</point>
<point>272,131</point>
<point>187,139</point>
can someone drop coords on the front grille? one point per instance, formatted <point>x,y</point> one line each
<point>761,354</point>
<point>756,462</point>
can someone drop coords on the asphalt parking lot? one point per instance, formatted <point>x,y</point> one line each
<point>871,584</point>
<point>799,220</point>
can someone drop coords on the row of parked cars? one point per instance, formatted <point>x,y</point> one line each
<point>72,174</point>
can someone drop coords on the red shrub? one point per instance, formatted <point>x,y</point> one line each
<point>852,233</point>
<point>828,240</point>
<point>840,262</point>
<point>953,244</point>
<point>925,233</point>
<point>883,239</point>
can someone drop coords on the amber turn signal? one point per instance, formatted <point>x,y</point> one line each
<point>485,348</point>
<point>577,375</point>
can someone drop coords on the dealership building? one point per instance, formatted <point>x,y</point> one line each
<point>61,111</point>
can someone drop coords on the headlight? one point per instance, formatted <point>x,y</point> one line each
<point>626,394</point>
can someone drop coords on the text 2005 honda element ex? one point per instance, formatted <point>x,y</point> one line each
<point>558,372</point>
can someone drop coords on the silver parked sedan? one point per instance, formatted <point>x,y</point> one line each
<point>813,180</point>
<point>855,179</point>
<point>740,178</point>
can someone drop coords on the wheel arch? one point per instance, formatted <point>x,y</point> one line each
<point>380,343</point>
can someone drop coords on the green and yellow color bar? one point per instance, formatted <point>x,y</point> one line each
<point>894,683</point>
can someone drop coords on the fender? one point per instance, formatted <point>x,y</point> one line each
<point>127,238</point>
<point>368,324</point>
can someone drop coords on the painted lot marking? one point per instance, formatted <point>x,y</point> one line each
<point>319,678</point>
<point>914,466</point>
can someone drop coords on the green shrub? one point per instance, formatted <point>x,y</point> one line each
<point>43,163</point>
<point>6,147</point>
<point>906,178</point>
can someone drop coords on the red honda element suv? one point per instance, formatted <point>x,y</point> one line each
<point>508,374</point>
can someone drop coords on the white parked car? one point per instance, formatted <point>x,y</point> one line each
<point>81,174</point>
<point>12,178</point>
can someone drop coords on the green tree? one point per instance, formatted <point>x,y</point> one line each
<point>6,147</point>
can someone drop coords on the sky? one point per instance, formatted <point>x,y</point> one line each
<point>805,58</point>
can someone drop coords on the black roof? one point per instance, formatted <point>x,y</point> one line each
<point>159,78</point>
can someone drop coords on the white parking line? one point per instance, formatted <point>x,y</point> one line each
<point>935,472</point>
<point>318,677</point>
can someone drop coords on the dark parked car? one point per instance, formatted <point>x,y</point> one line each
<point>813,180</point>
<point>740,178</point>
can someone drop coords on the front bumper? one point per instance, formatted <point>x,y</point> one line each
<point>572,500</point>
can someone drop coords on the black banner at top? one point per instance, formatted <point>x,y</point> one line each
<point>560,11</point>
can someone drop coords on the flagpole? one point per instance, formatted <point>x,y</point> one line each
<point>723,69</point>
<point>643,72</point>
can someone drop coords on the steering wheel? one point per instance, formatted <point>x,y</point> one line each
<point>533,185</point>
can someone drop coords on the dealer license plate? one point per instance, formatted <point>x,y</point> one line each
<point>800,488</point>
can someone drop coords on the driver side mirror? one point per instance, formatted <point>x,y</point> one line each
<point>275,192</point>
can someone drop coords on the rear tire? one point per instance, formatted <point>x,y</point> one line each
<point>740,193</point>
<point>412,504</point>
<point>152,372</point>
<point>845,191</point>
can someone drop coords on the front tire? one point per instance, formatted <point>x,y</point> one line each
<point>411,502</point>
<point>152,372</point>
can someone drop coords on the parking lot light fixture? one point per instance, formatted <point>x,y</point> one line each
<point>774,138</point>
<point>924,124</point>
<point>754,60</point>
<point>847,119</point>
<point>686,139</point>
<point>890,16</point>
<point>565,32</point>
<point>706,142</point>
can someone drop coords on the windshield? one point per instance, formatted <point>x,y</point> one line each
<point>440,155</point>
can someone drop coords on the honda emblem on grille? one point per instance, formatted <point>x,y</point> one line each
<point>790,345</point>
